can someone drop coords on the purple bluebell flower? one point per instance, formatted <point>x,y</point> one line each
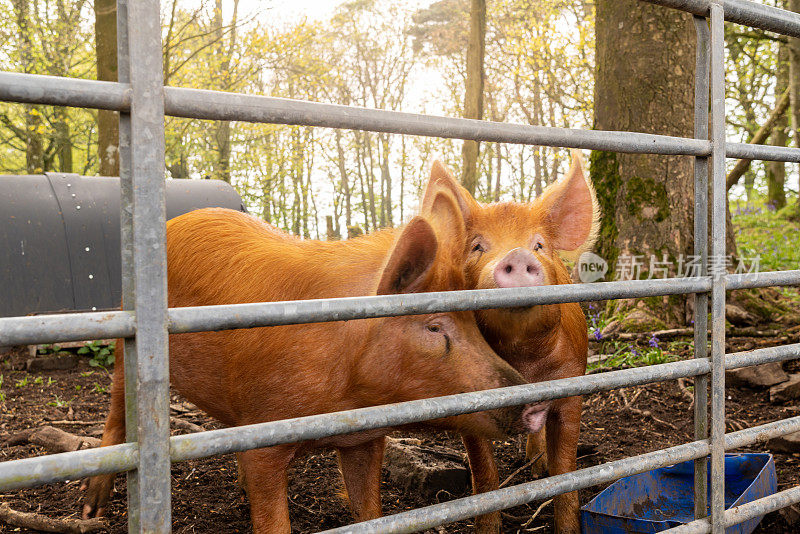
<point>597,334</point>
<point>653,342</point>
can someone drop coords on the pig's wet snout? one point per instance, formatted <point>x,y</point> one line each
<point>519,268</point>
<point>534,416</point>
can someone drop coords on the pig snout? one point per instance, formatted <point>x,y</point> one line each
<point>519,268</point>
<point>528,418</point>
<point>534,416</point>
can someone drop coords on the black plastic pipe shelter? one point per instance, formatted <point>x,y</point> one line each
<point>60,238</point>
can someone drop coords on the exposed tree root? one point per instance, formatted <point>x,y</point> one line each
<point>53,439</point>
<point>48,524</point>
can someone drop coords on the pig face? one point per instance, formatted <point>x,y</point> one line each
<point>511,244</point>
<point>445,354</point>
<point>415,357</point>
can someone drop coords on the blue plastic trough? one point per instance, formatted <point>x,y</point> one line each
<point>663,498</point>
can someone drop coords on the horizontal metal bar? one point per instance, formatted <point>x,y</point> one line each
<point>58,91</point>
<point>215,105</point>
<point>51,468</point>
<point>241,438</point>
<point>191,446</point>
<point>464,508</point>
<point>62,327</point>
<point>780,353</point>
<point>236,439</point>
<point>744,512</point>
<point>113,324</point>
<point>743,12</point>
<point>70,327</point>
<point>197,319</point>
<point>47,469</point>
<point>762,152</point>
<point>765,279</point>
<point>202,104</point>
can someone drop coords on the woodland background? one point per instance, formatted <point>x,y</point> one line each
<point>605,64</point>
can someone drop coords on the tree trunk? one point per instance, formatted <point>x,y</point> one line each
<point>760,137</point>
<point>645,83</point>
<point>794,90</point>
<point>266,198</point>
<point>402,173</point>
<point>34,151</point>
<point>370,176</point>
<point>489,169</point>
<point>359,159</point>
<point>473,96</point>
<point>749,183</point>
<point>222,129</point>
<point>63,141</point>
<point>105,38</point>
<point>297,176</point>
<point>386,201</point>
<point>345,181</point>
<point>497,171</point>
<point>776,170</point>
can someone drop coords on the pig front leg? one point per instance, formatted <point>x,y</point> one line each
<point>563,428</point>
<point>265,478</point>
<point>361,471</point>
<point>484,478</point>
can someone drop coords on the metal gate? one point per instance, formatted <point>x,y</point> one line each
<point>145,321</point>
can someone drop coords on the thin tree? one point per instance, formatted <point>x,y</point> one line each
<point>776,170</point>
<point>794,91</point>
<point>105,38</point>
<point>473,96</point>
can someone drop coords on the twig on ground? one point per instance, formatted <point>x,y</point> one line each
<point>686,393</point>
<point>48,524</point>
<point>537,512</point>
<point>516,472</point>
<point>644,413</point>
<point>77,423</point>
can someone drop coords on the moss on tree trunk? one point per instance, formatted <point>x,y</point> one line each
<point>645,83</point>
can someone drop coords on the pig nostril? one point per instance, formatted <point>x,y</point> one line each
<point>508,269</point>
<point>529,268</point>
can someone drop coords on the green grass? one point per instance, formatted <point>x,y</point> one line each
<point>762,231</point>
<point>626,354</point>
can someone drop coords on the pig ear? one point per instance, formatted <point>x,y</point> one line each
<point>447,219</point>
<point>571,209</point>
<point>411,259</point>
<point>442,179</point>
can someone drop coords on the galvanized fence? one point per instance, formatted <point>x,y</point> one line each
<point>145,321</point>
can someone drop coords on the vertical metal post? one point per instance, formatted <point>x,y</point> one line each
<point>146,170</point>
<point>126,241</point>
<point>717,268</point>
<point>701,251</point>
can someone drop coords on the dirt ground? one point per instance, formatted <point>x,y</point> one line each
<point>206,497</point>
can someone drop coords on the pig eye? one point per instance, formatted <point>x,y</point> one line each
<point>478,248</point>
<point>434,327</point>
<point>538,246</point>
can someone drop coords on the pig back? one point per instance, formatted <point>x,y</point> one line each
<point>217,256</point>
